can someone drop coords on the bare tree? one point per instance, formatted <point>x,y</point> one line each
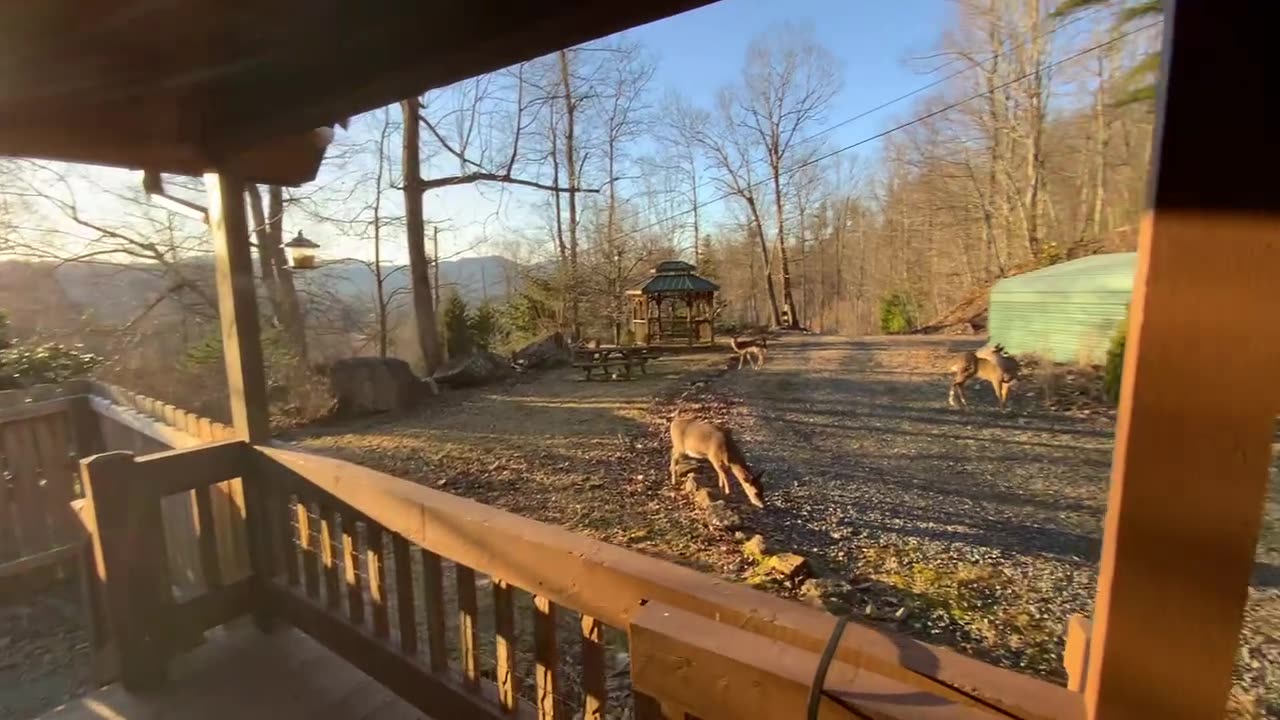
<point>730,151</point>
<point>788,82</point>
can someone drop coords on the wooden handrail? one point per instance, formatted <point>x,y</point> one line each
<point>193,468</point>
<point>31,410</point>
<point>717,672</point>
<point>610,583</point>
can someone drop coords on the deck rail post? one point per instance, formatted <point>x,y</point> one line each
<point>130,559</point>
<point>242,354</point>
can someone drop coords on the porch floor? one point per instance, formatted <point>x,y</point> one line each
<point>244,674</point>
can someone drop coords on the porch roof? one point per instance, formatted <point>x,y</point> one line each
<point>184,86</point>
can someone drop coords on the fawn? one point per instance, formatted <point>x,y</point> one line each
<point>991,364</point>
<point>704,441</point>
<point>750,350</point>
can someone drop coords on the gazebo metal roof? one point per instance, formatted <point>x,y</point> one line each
<point>675,277</point>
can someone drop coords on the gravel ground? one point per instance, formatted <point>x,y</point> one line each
<point>44,651</point>
<point>978,530</point>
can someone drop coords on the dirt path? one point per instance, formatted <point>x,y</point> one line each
<point>982,529</point>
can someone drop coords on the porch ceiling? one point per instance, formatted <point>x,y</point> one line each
<point>186,85</point>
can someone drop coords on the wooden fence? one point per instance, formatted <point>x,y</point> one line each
<point>44,430</point>
<point>40,441</point>
<point>142,425</point>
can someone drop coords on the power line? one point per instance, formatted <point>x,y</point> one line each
<point>923,88</point>
<point>896,128</point>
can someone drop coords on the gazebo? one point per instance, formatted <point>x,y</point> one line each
<point>675,303</point>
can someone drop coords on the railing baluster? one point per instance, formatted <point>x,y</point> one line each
<point>433,603</point>
<point>546,655</point>
<point>467,612</point>
<point>281,508</point>
<point>595,692</point>
<point>351,570</point>
<point>376,560</point>
<point>306,544</point>
<point>504,616</point>
<point>404,596</point>
<point>208,540</point>
<point>328,523</point>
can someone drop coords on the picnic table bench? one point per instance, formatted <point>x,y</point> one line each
<point>605,358</point>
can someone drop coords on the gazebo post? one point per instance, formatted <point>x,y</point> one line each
<point>689,317</point>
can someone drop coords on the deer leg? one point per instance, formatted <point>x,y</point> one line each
<point>741,357</point>
<point>744,479</point>
<point>676,455</point>
<point>724,479</point>
<point>957,391</point>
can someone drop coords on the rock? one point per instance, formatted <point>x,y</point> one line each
<point>789,565</point>
<point>756,548</point>
<point>825,587</point>
<point>721,517</point>
<point>364,385</point>
<point>550,350</point>
<point>702,498</point>
<point>478,368</point>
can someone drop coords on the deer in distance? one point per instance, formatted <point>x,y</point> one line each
<point>704,441</point>
<point>992,364</point>
<point>753,351</point>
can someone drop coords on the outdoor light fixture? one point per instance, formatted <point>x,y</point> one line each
<point>302,252</point>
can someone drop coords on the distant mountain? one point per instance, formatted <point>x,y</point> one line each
<point>477,279</point>
<point>113,294</point>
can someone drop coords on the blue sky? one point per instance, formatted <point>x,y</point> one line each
<point>696,53</point>
<point>703,50</point>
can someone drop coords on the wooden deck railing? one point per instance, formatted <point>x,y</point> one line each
<point>668,611</point>
<point>143,617</point>
<point>468,611</point>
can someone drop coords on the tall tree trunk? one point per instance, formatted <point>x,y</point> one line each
<point>379,281</point>
<point>784,263</point>
<point>266,263</point>
<point>424,310</point>
<point>768,262</point>
<point>571,164</point>
<point>272,242</point>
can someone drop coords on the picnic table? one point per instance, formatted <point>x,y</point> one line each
<point>605,357</point>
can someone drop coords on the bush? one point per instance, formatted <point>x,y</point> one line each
<point>484,327</point>
<point>22,366</point>
<point>898,313</point>
<point>457,327</point>
<point>1115,364</point>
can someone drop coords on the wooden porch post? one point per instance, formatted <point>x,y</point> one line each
<point>1199,401</point>
<point>242,354</point>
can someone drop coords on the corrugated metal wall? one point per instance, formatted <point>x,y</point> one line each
<point>1066,312</point>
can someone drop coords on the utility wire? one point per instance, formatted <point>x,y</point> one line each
<point>923,88</point>
<point>896,128</point>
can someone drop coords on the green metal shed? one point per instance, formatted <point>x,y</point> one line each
<point>1067,312</point>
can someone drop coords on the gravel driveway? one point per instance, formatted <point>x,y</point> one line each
<point>980,530</point>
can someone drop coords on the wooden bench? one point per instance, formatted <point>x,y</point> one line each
<point>625,363</point>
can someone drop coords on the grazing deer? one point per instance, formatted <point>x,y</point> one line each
<point>991,364</point>
<point>704,441</point>
<point>750,350</point>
